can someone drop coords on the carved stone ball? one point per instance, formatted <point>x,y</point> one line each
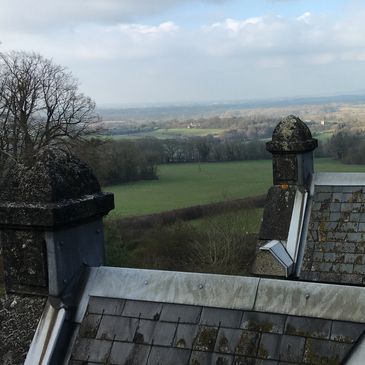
<point>55,176</point>
<point>291,135</point>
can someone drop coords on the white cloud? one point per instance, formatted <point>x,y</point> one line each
<point>142,29</point>
<point>305,18</point>
<point>116,53</point>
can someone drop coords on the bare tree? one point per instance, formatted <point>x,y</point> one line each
<point>40,105</point>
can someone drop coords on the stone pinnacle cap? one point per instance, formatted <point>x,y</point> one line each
<point>291,135</point>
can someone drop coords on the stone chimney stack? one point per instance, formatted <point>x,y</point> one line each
<point>292,148</point>
<point>51,223</point>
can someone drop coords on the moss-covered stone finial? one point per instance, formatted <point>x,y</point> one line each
<point>291,135</point>
<point>56,175</point>
<point>50,222</point>
<point>292,148</point>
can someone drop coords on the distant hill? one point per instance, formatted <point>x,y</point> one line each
<point>160,113</point>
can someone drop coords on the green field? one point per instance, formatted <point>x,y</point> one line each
<point>183,185</point>
<point>169,133</point>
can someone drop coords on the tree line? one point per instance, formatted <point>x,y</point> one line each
<point>119,161</point>
<point>346,146</point>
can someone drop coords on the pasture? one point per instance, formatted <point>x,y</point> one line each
<point>184,185</point>
<point>170,133</point>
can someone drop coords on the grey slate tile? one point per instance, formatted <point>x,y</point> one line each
<point>351,278</point>
<point>292,348</point>
<point>91,350</point>
<point>185,335</point>
<point>90,325</point>
<point>120,328</point>
<point>316,352</point>
<point>110,306</point>
<point>205,338</point>
<point>318,256</point>
<point>326,189</point>
<point>308,327</point>
<point>323,197</point>
<point>269,346</point>
<point>158,333</point>
<point>168,356</point>
<point>143,310</point>
<point>334,216</point>
<point>354,258</point>
<point>221,317</point>
<point>359,269</point>
<point>243,360</point>
<point>227,340</point>
<point>204,358</point>
<point>346,331</point>
<point>123,353</point>
<point>330,277</point>
<point>337,352</point>
<point>248,343</point>
<point>263,322</point>
<point>180,313</point>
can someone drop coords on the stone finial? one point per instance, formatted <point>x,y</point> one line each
<point>55,176</point>
<point>50,222</point>
<point>292,148</point>
<point>291,135</point>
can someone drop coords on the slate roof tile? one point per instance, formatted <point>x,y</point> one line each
<point>168,356</point>
<point>142,309</point>
<point>154,332</point>
<point>308,327</point>
<point>316,352</point>
<point>227,340</point>
<point>185,335</point>
<point>263,322</point>
<point>118,328</point>
<point>221,317</point>
<point>337,352</point>
<point>90,325</point>
<point>92,350</point>
<point>292,348</point>
<point>204,358</point>
<point>248,343</point>
<point>205,338</point>
<point>123,353</point>
<point>269,346</point>
<point>346,332</point>
<point>99,305</point>
<point>180,313</point>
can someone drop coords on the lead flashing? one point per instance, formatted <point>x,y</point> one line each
<point>339,179</point>
<point>278,250</point>
<point>46,336</point>
<point>336,302</point>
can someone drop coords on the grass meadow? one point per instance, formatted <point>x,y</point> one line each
<point>184,185</point>
<point>171,133</point>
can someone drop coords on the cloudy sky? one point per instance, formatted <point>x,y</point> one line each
<point>163,51</point>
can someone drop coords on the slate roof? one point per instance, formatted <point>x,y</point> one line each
<point>335,248</point>
<point>119,331</point>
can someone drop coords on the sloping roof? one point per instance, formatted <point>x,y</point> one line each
<point>117,331</point>
<point>335,247</point>
<point>130,316</point>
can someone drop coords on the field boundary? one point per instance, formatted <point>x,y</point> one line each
<point>193,212</point>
